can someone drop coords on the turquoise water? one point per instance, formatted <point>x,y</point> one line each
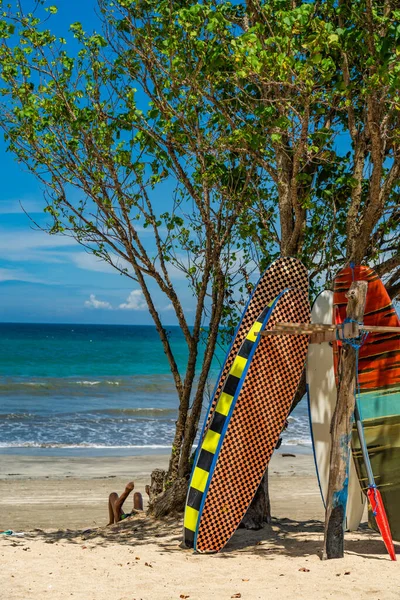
<point>58,351</point>
<point>73,389</point>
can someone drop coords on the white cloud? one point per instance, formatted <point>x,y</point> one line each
<point>16,241</point>
<point>135,301</point>
<point>168,307</point>
<point>17,275</point>
<point>16,206</point>
<point>90,262</point>
<point>93,303</point>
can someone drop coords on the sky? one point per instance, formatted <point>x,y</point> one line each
<point>51,279</point>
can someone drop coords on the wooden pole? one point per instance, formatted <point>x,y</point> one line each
<point>341,433</point>
<point>318,332</point>
<point>327,332</point>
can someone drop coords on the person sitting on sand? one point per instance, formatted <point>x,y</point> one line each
<point>115,503</point>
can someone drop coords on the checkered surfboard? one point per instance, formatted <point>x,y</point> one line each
<point>282,274</point>
<point>252,431</point>
<point>210,443</point>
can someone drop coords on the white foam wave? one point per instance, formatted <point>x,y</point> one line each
<point>82,445</point>
<point>88,382</point>
<point>297,442</point>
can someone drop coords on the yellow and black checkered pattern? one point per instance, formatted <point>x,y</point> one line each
<point>212,437</point>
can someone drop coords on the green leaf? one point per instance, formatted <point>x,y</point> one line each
<point>316,58</point>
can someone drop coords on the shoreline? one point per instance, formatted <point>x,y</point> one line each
<point>83,452</point>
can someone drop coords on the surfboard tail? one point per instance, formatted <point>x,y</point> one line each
<point>375,499</point>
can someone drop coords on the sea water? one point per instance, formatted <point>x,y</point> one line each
<point>96,389</point>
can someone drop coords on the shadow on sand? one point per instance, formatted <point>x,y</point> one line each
<point>285,537</point>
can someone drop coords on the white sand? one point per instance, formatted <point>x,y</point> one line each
<point>281,561</point>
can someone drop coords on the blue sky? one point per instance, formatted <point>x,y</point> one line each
<point>51,279</point>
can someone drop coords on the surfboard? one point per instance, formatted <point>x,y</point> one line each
<point>282,274</point>
<point>248,435</point>
<point>209,444</point>
<point>379,384</point>
<point>322,396</point>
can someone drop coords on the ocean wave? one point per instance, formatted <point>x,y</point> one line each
<point>297,442</point>
<point>143,412</point>
<point>87,431</point>
<point>102,415</point>
<point>72,385</point>
<point>16,416</point>
<point>102,382</point>
<point>80,445</point>
<point>297,432</point>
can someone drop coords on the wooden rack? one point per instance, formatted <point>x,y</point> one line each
<point>320,332</point>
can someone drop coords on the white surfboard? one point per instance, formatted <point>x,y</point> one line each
<point>322,400</point>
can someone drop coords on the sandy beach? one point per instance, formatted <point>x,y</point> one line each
<point>60,504</point>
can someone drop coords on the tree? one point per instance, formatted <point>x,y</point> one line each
<point>370,36</point>
<point>277,120</point>
<point>78,123</point>
<point>311,93</point>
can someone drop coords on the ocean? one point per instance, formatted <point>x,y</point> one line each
<point>95,390</point>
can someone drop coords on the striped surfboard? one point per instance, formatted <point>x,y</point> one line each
<point>212,438</point>
<point>379,382</point>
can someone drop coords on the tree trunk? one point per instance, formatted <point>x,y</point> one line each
<point>341,433</point>
<point>301,391</point>
<point>259,511</point>
<point>172,500</point>
<point>155,488</point>
<point>166,501</point>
